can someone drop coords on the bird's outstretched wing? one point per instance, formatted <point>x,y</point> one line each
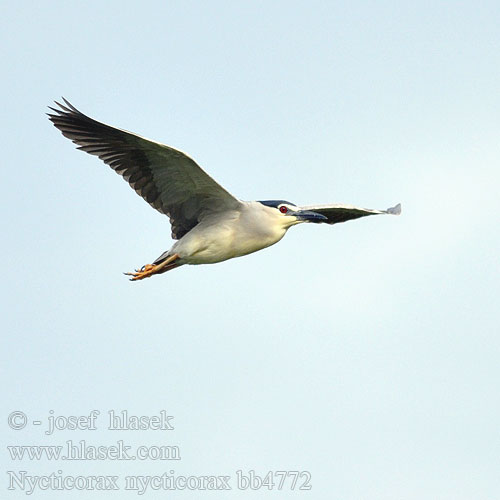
<point>336,213</point>
<point>166,178</point>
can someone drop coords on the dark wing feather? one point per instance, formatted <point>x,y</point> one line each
<point>341,213</point>
<point>166,178</point>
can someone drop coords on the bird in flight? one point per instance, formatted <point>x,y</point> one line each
<point>209,224</point>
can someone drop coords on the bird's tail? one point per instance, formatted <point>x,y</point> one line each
<point>162,257</point>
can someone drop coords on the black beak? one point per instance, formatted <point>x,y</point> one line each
<point>309,216</point>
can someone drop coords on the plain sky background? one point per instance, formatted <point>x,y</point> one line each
<point>366,353</point>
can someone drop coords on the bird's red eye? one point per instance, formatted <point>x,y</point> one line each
<point>283,209</point>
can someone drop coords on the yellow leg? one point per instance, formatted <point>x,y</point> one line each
<point>150,269</point>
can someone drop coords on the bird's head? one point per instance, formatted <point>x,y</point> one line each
<point>291,214</point>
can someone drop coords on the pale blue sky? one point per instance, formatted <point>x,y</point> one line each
<point>367,352</point>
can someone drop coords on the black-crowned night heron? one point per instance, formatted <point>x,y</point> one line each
<point>210,224</point>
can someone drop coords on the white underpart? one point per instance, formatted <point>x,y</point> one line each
<point>232,234</point>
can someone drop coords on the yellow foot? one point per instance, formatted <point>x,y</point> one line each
<point>144,272</point>
<point>150,269</point>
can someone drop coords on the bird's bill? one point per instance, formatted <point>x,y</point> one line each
<point>309,216</point>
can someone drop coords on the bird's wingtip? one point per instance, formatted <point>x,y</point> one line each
<point>67,107</point>
<point>394,210</point>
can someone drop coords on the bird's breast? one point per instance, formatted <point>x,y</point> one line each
<point>234,235</point>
